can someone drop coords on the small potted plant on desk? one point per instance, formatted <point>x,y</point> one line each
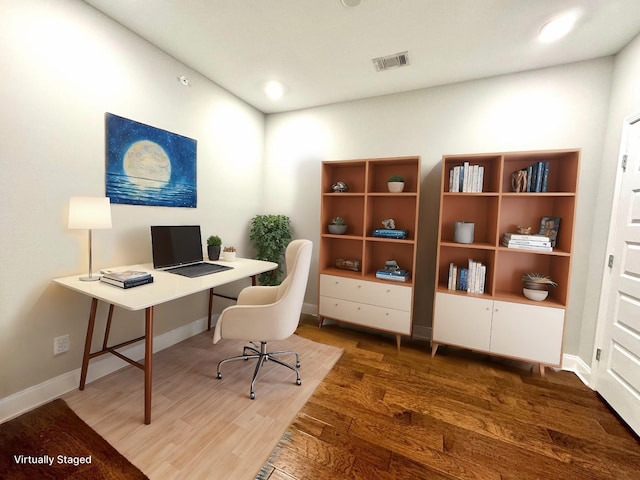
<point>395,184</point>
<point>229,254</point>
<point>337,226</point>
<point>213,247</point>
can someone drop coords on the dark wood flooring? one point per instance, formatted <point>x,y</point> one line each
<point>384,414</point>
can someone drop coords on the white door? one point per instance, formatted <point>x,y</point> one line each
<point>618,371</point>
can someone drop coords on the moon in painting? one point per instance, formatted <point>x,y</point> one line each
<point>147,165</point>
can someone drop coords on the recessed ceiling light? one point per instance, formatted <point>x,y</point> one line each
<point>274,90</point>
<point>350,3</point>
<point>558,27</point>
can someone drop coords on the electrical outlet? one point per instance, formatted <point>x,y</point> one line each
<point>61,344</point>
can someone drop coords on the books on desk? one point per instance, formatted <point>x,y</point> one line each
<point>127,278</point>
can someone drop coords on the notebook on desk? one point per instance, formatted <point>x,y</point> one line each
<point>178,249</point>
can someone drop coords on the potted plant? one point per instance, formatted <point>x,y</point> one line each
<point>536,286</point>
<point>395,183</point>
<point>337,226</point>
<point>213,247</point>
<point>229,254</point>
<point>270,235</point>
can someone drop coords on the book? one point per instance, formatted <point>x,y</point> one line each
<point>521,236</point>
<point>129,283</point>
<point>390,233</point>
<point>127,278</point>
<point>395,275</point>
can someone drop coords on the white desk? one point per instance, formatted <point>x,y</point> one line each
<point>165,287</point>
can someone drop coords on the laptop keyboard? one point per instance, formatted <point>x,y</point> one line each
<point>198,269</point>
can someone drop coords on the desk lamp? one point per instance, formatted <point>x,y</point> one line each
<point>89,213</point>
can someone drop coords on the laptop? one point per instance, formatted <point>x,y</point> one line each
<point>178,249</point>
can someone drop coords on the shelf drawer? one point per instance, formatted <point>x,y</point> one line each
<point>397,297</point>
<point>388,319</point>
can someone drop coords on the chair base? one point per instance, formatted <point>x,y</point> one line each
<point>262,355</point>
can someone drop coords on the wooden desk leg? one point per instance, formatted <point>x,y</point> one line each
<point>148,359</point>
<point>210,308</point>
<point>87,343</point>
<point>254,280</point>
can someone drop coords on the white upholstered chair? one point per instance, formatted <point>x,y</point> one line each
<point>268,313</point>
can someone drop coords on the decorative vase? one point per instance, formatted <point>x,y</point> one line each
<point>463,232</point>
<point>537,295</point>
<point>337,229</point>
<point>395,187</point>
<point>213,251</point>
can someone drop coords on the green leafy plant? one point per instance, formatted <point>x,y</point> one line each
<point>214,240</point>
<point>396,178</point>
<point>270,235</point>
<point>337,221</point>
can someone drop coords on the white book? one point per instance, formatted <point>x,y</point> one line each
<point>467,177</point>
<point>480,179</point>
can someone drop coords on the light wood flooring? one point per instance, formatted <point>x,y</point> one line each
<point>384,414</point>
<point>202,427</point>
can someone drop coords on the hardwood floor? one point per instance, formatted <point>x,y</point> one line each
<point>384,414</point>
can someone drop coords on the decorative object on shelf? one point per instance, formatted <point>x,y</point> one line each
<point>549,227</point>
<point>392,271</point>
<point>463,232</point>
<point>214,244</point>
<point>519,181</point>
<point>389,223</point>
<point>395,184</point>
<point>89,213</point>
<point>229,254</point>
<point>337,226</point>
<point>270,235</point>
<point>536,286</point>
<point>348,264</point>
<point>340,187</point>
<point>532,179</point>
<point>523,230</point>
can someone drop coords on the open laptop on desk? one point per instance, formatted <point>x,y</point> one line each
<point>178,249</point>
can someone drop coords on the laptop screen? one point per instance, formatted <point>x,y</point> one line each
<point>175,245</point>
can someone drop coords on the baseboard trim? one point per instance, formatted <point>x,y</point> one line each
<point>576,365</point>
<point>32,397</point>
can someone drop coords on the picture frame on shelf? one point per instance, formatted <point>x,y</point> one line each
<point>549,227</point>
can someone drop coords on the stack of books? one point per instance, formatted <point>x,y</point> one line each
<point>127,278</point>
<point>470,279</point>
<point>466,178</point>
<point>390,233</point>
<point>538,243</point>
<point>395,275</point>
<point>536,176</point>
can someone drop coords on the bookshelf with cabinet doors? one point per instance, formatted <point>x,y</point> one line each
<point>501,321</point>
<point>356,295</point>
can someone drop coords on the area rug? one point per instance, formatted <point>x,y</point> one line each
<point>52,442</point>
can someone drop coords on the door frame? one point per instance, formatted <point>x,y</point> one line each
<point>601,322</point>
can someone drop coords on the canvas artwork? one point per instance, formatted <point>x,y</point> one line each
<point>149,166</point>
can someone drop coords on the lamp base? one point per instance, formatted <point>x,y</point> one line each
<point>89,279</point>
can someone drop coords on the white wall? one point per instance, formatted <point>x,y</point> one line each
<point>63,66</point>
<point>563,107</point>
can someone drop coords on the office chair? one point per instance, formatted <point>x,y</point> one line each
<point>268,313</point>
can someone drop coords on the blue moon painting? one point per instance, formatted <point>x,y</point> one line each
<point>149,166</point>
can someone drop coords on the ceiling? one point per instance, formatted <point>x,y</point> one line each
<point>322,51</point>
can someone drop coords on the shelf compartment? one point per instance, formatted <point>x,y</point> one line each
<point>402,208</point>
<point>381,169</point>
<point>492,172</point>
<point>337,246</point>
<point>345,205</point>
<point>528,211</point>
<point>481,210</point>
<point>460,256</point>
<point>511,265</point>
<point>352,173</point>
<point>378,252</point>
<point>563,168</point>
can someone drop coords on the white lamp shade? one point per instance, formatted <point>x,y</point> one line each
<point>89,213</point>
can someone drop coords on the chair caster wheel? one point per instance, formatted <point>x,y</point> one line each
<point>252,396</point>
<point>298,382</point>
<point>297,364</point>
<point>219,375</point>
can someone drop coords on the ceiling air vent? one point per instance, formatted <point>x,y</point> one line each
<point>391,61</point>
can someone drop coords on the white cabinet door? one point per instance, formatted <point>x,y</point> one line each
<point>462,321</point>
<point>528,332</point>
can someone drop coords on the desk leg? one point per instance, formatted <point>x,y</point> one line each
<point>210,308</point>
<point>254,280</point>
<point>148,358</point>
<point>87,343</point>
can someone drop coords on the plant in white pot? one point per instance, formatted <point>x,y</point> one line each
<point>395,184</point>
<point>213,247</point>
<point>337,226</point>
<point>229,254</point>
<point>536,286</point>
